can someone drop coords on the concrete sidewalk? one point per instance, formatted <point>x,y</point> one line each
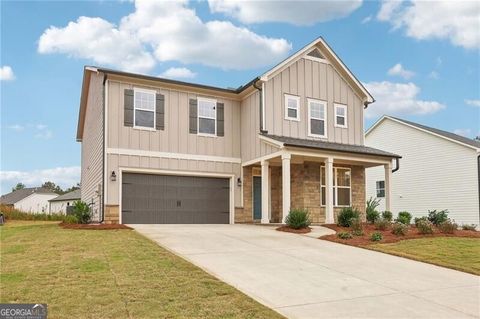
<point>304,277</point>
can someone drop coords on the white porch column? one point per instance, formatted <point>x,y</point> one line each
<point>285,185</point>
<point>388,186</point>
<point>329,219</point>
<point>265,192</point>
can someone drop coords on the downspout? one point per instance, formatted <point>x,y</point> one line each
<point>478,172</point>
<point>260,103</point>
<point>397,165</point>
<point>366,103</point>
<point>102,216</point>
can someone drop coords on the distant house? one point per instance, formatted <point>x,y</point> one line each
<point>438,170</point>
<point>59,204</point>
<point>29,200</point>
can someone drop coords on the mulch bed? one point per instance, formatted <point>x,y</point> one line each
<point>94,226</point>
<point>295,231</point>
<point>388,237</point>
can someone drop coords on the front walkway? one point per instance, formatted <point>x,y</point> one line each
<point>303,277</point>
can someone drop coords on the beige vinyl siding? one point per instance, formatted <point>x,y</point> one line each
<point>434,173</point>
<point>251,145</point>
<point>311,79</point>
<point>92,146</point>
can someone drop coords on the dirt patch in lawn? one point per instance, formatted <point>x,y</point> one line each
<point>388,237</point>
<point>94,226</point>
<point>293,230</point>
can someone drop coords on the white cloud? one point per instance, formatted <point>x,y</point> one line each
<point>43,132</point>
<point>63,176</point>
<point>293,12</point>
<point>399,70</point>
<point>16,127</point>
<point>163,31</point>
<point>6,73</point>
<point>367,19</point>
<point>398,99</point>
<point>463,131</point>
<point>457,21</point>
<point>473,102</point>
<point>178,73</point>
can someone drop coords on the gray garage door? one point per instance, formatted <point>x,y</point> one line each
<point>167,199</point>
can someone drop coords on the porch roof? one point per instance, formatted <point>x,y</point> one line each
<point>330,146</point>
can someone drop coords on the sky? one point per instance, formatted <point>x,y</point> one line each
<point>419,59</point>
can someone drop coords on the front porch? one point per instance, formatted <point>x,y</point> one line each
<point>323,183</point>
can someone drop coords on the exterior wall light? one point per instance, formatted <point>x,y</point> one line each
<point>113,176</point>
<point>239,182</point>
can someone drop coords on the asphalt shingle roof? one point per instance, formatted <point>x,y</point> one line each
<point>68,196</point>
<point>18,195</point>
<point>330,146</point>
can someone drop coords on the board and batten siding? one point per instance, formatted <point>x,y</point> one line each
<point>92,147</point>
<point>251,145</point>
<point>434,173</point>
<point>175,138</point>
<point>311,79</point>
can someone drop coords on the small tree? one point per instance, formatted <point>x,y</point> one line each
<point>18,187</point>
<point>53,187</point>
<point>82,212</point>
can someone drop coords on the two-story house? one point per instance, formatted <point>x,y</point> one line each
<point>156,150</point>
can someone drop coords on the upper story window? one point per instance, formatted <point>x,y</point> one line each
<point>317,118</point>
<point>380,189</point>
<point>144,108</point>
<point>340,115</point>
<point>292,107</point>
<point>207,116</point>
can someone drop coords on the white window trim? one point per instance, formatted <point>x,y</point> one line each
<point>324,103</point>
<point>139,127</point>
<point>342,106</point>
<point>377,189</point>
<point>206,117</point>
<point>297,98</point>
<point>335,176</point>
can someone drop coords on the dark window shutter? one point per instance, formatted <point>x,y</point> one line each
<point>193,116</point>
<point>220,120</point>
<point>160,105</point>
<point>128,107</point>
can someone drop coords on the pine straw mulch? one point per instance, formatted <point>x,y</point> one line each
<point>293,230</point>
<point>387,235</point>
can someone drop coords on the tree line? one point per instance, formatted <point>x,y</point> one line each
<point>51,186</point>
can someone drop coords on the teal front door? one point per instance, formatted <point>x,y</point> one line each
<point>257,197</point>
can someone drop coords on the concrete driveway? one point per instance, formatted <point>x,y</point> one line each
<point>303,277</point>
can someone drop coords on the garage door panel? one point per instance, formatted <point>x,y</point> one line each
<point>169,199</point>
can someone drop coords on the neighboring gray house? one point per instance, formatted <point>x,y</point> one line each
<point>29,200</point>
<point>61,203</point>
<point>162,151</point>
<point>439,170</point>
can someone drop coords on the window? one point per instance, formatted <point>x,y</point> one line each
<point>144,108</point>
<point>380,188</point>
<point>340,115</point>
<point>317,118</point>
<point>292,107</point>
<point>341,186</point>
<point>207,117</point>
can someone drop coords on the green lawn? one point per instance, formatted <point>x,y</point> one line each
<point>110,274</point>
<point>452,252</point>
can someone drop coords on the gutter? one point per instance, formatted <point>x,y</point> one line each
<point>366,103</point>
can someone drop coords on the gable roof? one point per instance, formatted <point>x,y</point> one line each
<point>330,146</point>
<point>73,195</point>
<point>434,131</point>
<point>18,195</point>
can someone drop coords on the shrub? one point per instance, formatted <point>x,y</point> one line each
<point>399,229</point>
<point>469,227</point>
<point>376,236</point>
<point>418,219</point>
<point>387,215</point>
<point>448,227</point>
<point>404,218</point>
<point>357,227</point>
<point>298,218</point>
<point>70,219</point>
<point>371,212</point>
<point>382,224</point>
<point>344,235</point>
<point>437,217</point>
<point>345,216</point>
<point>10,213</point>
<point>82,212</point>
<point>425,227</point>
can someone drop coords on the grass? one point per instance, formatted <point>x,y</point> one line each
<point>457,253</point>
<point>110,274</point>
